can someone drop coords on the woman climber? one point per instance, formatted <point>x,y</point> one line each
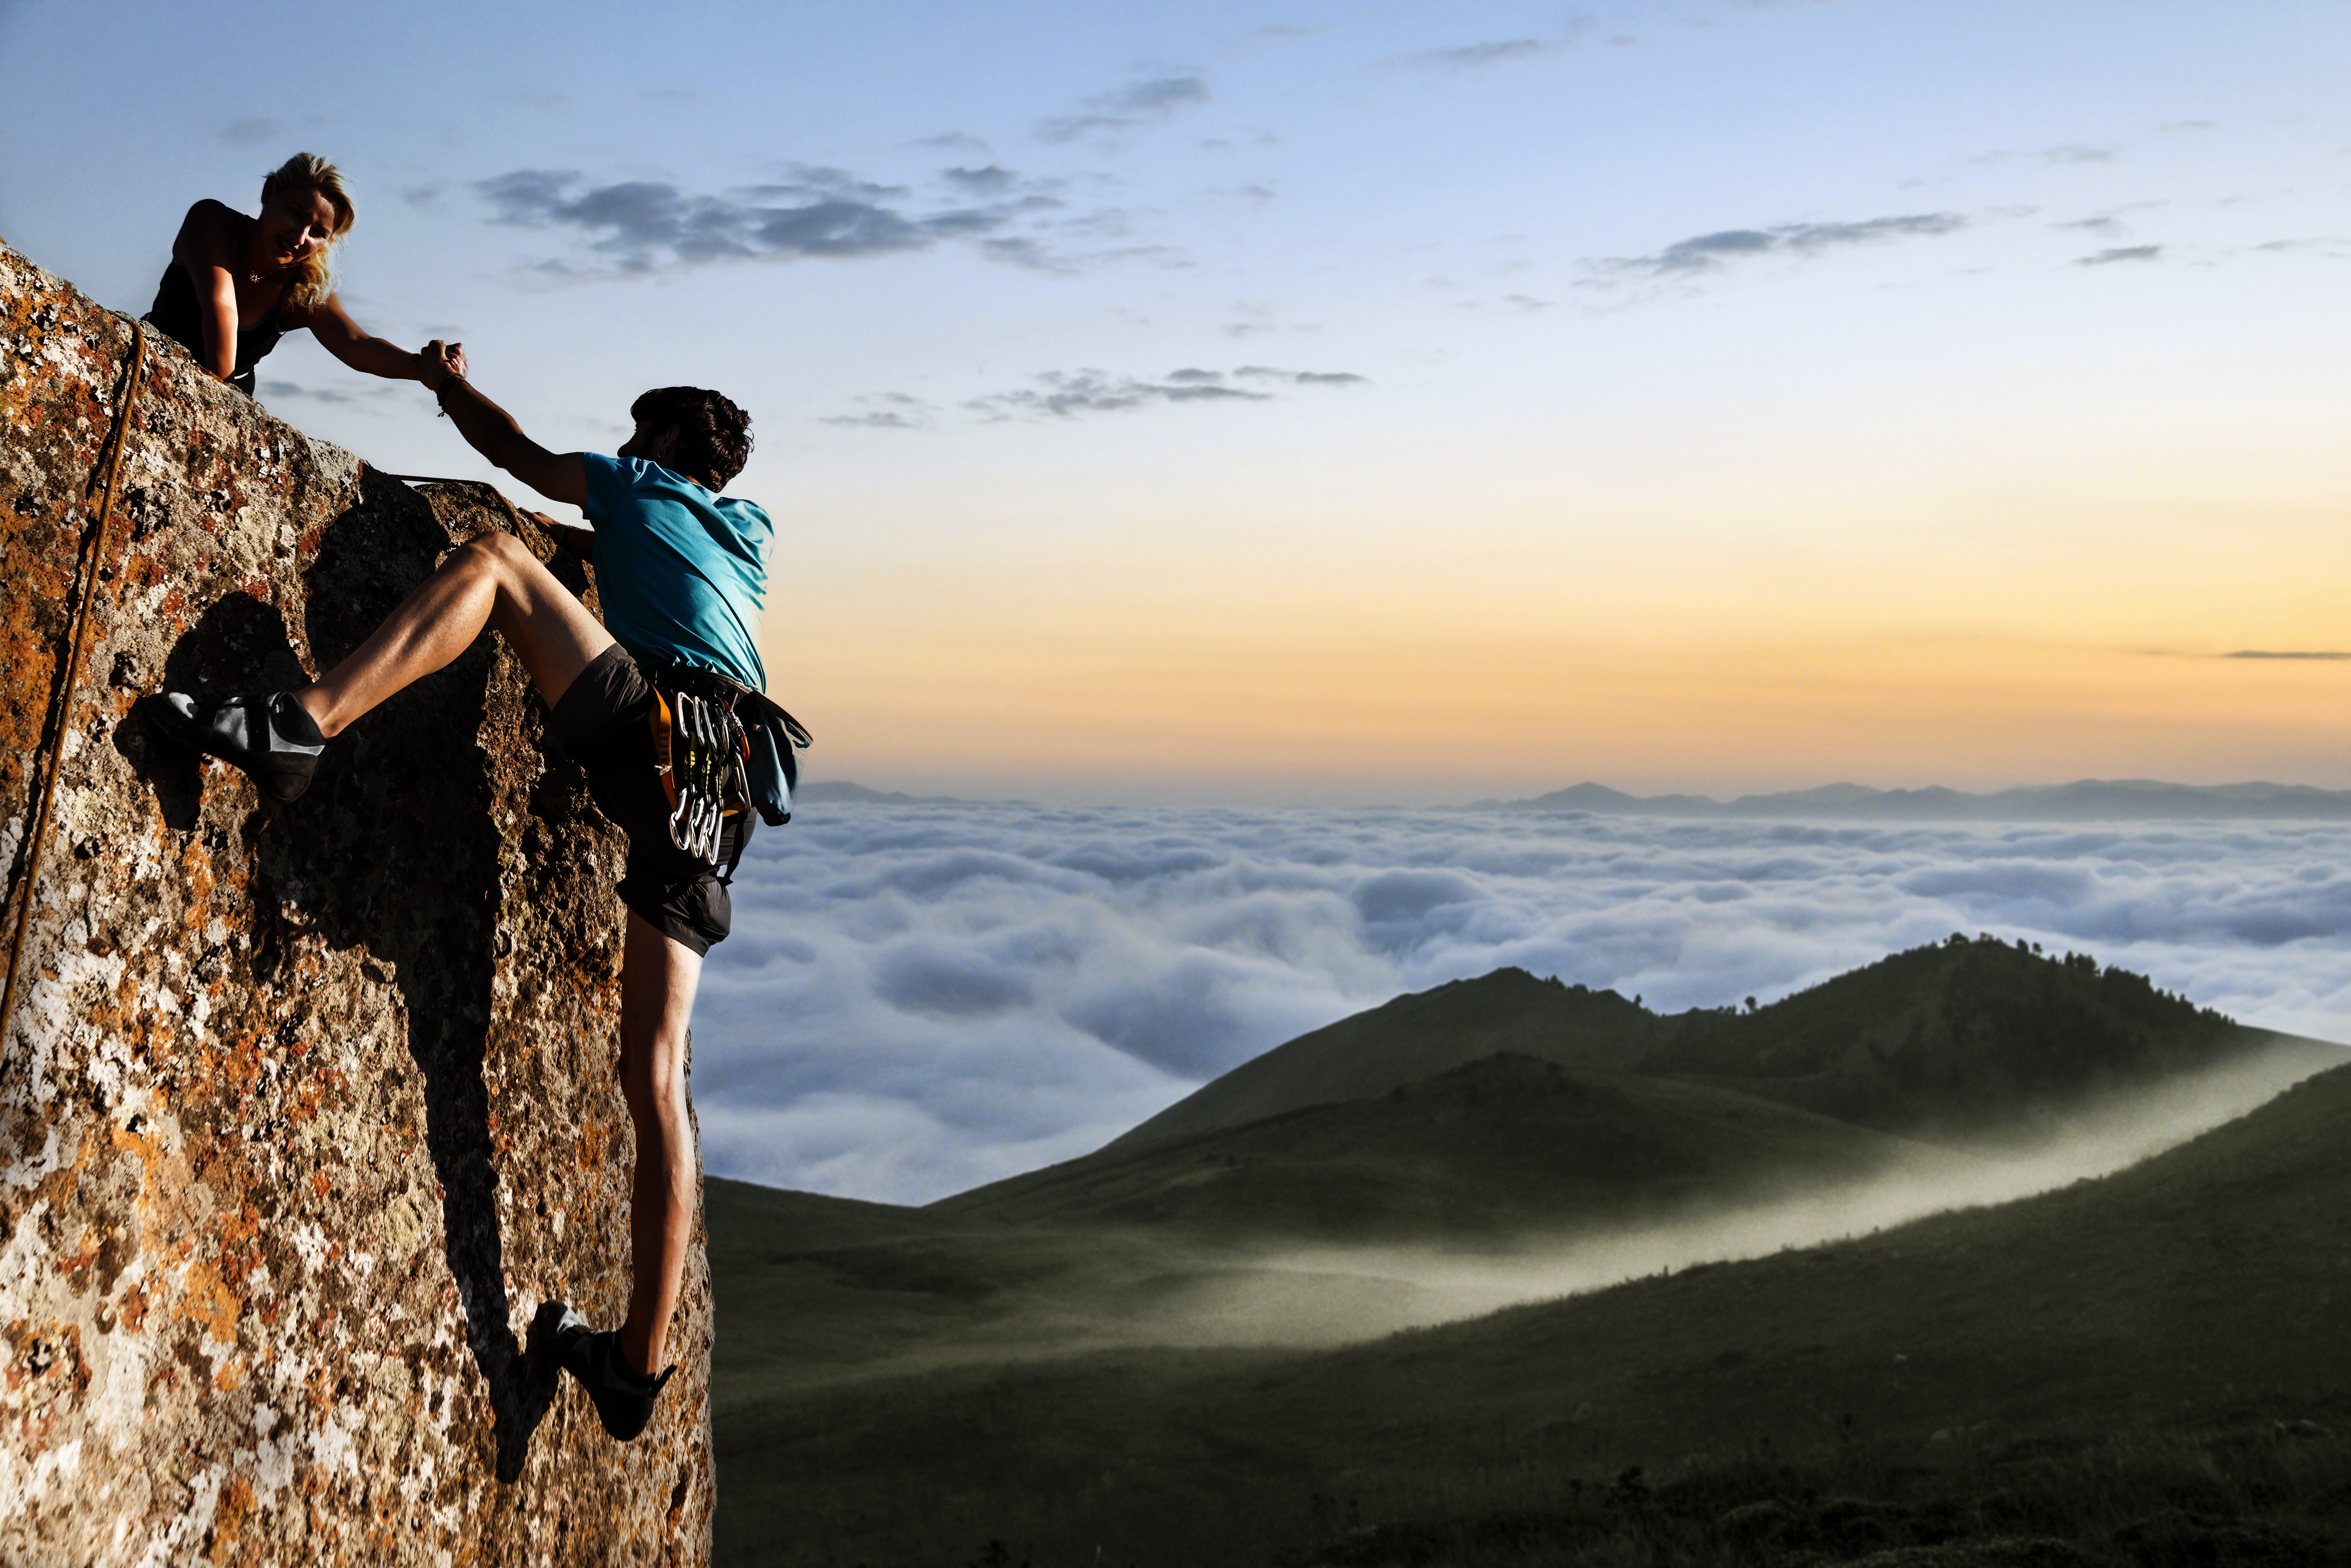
<point>238,284</point>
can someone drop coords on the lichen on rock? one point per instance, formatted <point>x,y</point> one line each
<point>303,1113</point>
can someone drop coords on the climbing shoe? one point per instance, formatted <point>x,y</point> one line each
<point>270,736</point>
<point>623,1395</point>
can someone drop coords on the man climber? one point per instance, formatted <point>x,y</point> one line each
<point>682,571</point>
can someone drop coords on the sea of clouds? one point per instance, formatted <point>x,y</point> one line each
<point>918,999</point>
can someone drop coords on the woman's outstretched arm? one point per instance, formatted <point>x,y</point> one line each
<point>207,246</point>
<point>341,337</point>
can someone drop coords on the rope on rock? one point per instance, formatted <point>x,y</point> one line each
<point>37,823</point>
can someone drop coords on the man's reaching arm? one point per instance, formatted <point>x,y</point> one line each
<point>491,431</point>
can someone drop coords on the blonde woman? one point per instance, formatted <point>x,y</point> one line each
<point>236,283</point>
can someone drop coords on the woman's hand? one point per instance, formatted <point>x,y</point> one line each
<point>437,361</point>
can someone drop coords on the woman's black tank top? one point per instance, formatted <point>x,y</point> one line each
<point>177,315</point>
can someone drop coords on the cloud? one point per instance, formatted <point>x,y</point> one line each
<point>1469,57</point>
<point>250,132</point>
<point>2121,254</point>
<point>1061,393</point>
<point>991,181</point>
<point>1138,103</point>
<point>1708,253</point>
<point>2319,653</point>
<point>877,419</point>
<point>2075,153</point>
<point>1064,393</point>
<point>1496,51</point>
<point>921,998</point>
<point>641,225</point>
<point>361,396</point>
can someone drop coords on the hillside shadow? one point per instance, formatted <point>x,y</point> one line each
<point>391,852</point>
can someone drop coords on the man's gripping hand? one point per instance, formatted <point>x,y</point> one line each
<point>581,542</point>
<point>438,361</point>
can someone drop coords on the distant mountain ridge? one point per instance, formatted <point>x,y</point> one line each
<point>2084,800</point>
<point>1511,1101</point>
<point>1958,1036</point>
<point>827,791</point>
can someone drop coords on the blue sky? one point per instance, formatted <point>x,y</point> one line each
<point>1330,402</point>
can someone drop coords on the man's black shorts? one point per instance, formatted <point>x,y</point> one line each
<point>601,722</point>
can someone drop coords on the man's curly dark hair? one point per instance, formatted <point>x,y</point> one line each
<point>714,436</point>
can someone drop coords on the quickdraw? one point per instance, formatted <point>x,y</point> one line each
<point>700,751</point>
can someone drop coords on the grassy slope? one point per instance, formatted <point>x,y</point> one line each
<point>1505,1145</point>
<point>2200,1294</point>
<point>1408,1039</point>
<point>1950,1039</point>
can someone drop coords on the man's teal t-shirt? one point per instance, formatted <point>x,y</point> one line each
<point>682,572</point>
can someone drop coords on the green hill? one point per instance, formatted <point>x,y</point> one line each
<point>1959,1039</point>
<point>1499,1148</point>
<point>1414,1037</point>
<point>2142,1370</point>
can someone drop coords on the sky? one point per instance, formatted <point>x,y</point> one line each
<point>1254,405</point>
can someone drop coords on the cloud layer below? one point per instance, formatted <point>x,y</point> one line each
<point>920,998</point>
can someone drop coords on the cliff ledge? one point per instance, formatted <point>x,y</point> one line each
<point>303,1115</point>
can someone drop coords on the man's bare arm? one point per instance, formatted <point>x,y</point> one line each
<point>491,431</point>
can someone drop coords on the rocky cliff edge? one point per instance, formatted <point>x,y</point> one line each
<point>303,1114</point>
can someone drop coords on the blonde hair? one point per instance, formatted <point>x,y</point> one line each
<point>308,171</point>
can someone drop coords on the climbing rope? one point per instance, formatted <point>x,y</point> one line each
<point>36,823</point>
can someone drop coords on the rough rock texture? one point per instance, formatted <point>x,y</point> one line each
<point>303,1115</point>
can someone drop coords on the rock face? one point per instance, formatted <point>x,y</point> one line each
<point>303,1114</point>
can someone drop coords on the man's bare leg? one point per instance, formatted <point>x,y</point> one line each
<point>496,581</point>
<point>658,976</point>
<point>493,581</point>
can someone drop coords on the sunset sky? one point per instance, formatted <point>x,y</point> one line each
<point>1336,402</point>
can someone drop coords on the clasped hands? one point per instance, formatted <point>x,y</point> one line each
<point>436,362</point>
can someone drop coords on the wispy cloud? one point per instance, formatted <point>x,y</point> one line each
<point>250,132</point>
<point>1485,52</point>
<point>1139,103</point>
<point>360,397</point>
<point>1707,252</point>
<point>2319,653</point>
<point>643,226</point>
<point>1469,57</point>
<point>1061,394</point>
<point>2120,253</point>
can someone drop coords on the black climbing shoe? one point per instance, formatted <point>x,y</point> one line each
<point>271,737</point>
<point>623,1395</point>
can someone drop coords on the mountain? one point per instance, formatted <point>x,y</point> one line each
<point>1410,1038</point>
<point>1511,1105</point>
<point>1960,1038</point>
<point>1502,1147</point>
<point>2086,800</point>
<point>2141,1370</point>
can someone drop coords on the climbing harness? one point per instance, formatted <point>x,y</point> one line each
<point>700,750</point>
<point>87,576</point>
<point>715,747</point>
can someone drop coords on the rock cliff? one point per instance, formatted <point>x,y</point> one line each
<point>303,1114</point>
